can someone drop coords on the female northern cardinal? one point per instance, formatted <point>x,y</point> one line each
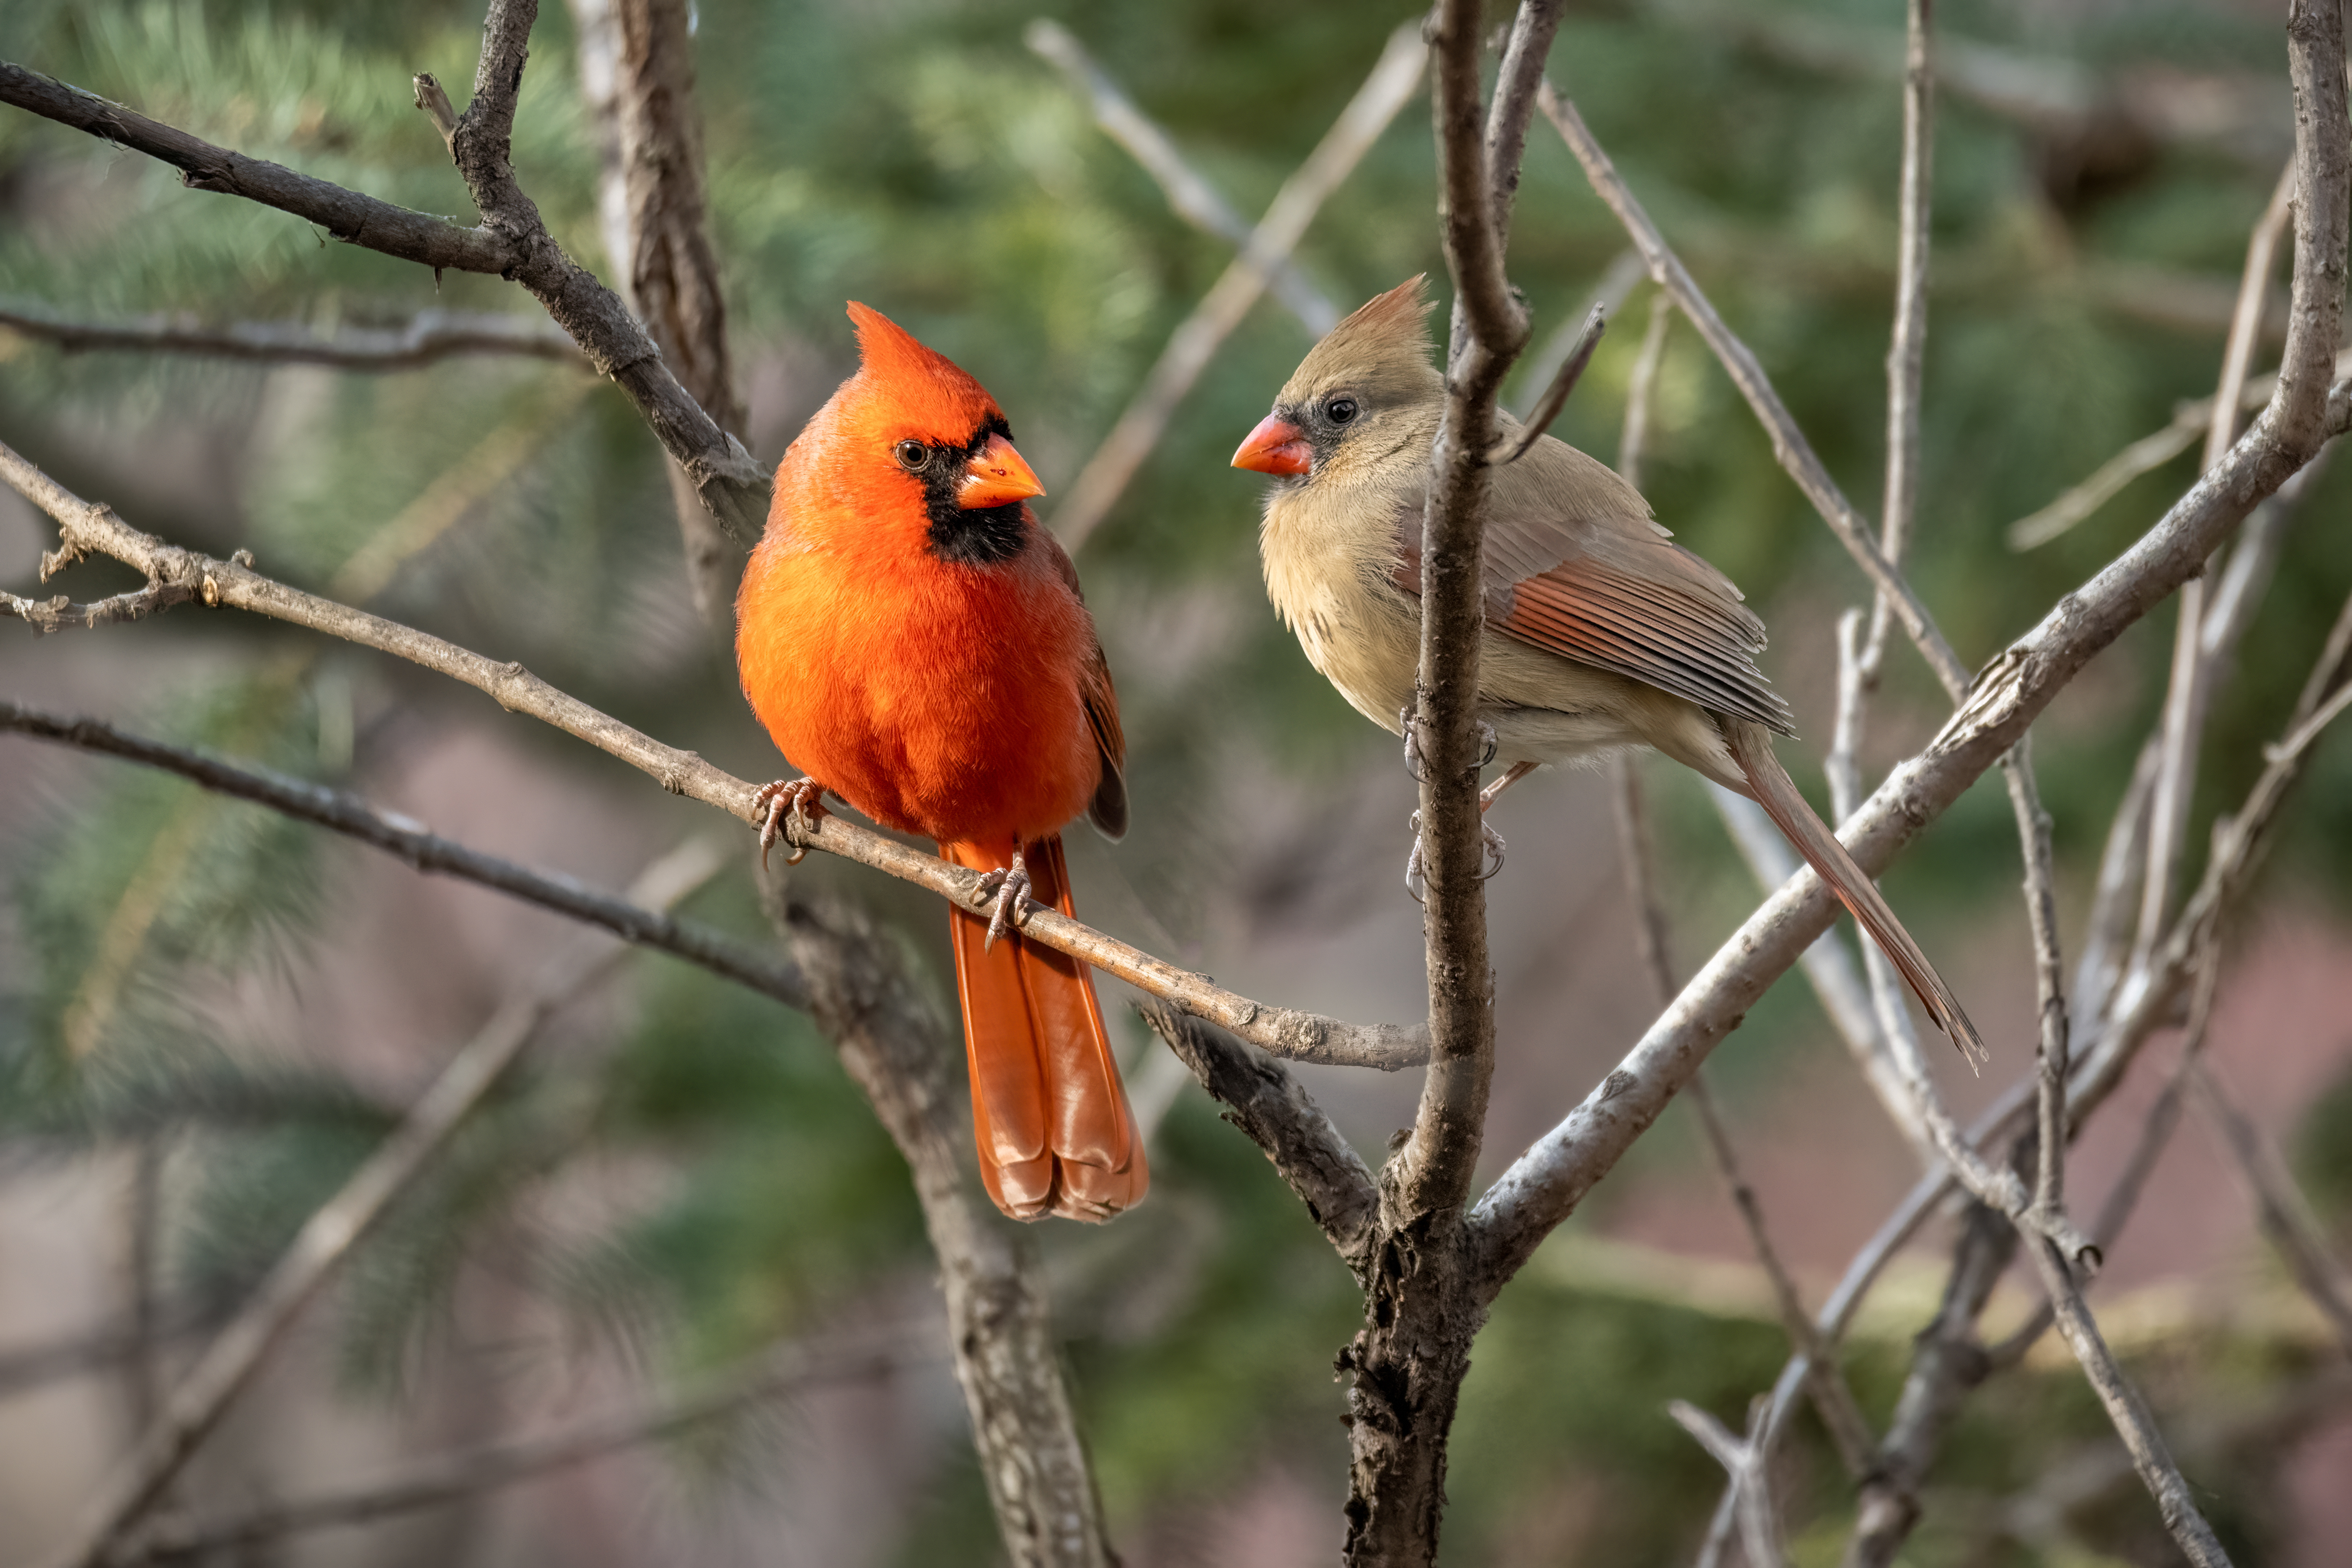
<point>912,638</point>
<point>1601,633</point>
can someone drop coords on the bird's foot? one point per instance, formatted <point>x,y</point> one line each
<point>1415,877</point>
<point>799,801</point>
<point>1008,886</point>
<point>1510,776</point>
<point>1488,743</point>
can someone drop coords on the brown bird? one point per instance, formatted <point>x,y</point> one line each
<point>1602,633</point>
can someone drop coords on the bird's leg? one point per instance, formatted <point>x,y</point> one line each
<point>1493,841</point>
<point>1511,775</point>
<point>1009,886</point>
<point>801,800</point>
<point>1411,744</point>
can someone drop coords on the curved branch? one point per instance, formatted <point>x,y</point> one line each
<point>86,528</point>
<point>429,337</point>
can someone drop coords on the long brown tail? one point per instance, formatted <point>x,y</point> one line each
<point>1048,1113</point>
<point>1751,748</point>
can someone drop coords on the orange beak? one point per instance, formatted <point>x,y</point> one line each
<point>1276,446</point>
<point>996,477</point>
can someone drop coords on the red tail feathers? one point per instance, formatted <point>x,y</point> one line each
<point>1048,1112</point>
<point>1751,748</point>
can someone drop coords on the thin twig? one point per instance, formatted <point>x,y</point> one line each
<point>89,529</point>
<point>2187,698</point>
<point>2150,452</point>
<point>1190,195</point>
<point>1840,1414</point>
<point>1641,384</point>
<point>348,814</point>
<point>327,1237</point>
<point>2286,1213</point>
<point>2125,1407</point>
<point>1742,1459</point>
<point>511,243</point>
<point>427,338</point>
<point>1195,343</point>
<point>1907,348</point>
<point>1788,443</point>
<point>447,1478</point>
<point>1556,395</point>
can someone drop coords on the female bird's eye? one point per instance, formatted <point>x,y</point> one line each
<point>1340,410</point>
<point>911,456</point>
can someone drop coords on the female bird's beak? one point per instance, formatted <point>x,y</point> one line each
<point>996,477</point>
<point>1276,446</point>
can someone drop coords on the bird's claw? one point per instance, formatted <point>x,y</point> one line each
<point>797,802</point>
<point>1415,879</point>
<point>1488,744</point>
<point>1008,886</point>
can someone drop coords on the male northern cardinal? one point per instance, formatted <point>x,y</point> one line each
<point>1601,634</point>
<point>913,639</point>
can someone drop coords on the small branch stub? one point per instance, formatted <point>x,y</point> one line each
<point>433,99</point>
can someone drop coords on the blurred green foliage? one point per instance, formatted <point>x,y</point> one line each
<point>917,157</point>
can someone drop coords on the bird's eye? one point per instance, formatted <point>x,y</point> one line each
<point>1340,410</point>
<point>911,456</point>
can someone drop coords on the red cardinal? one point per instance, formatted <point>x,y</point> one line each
<point>914,640</point>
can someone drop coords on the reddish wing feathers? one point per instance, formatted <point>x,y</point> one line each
<point>1619,596</point>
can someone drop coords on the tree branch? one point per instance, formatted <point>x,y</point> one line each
<point>655,200</point>
<point>1195,341</point>
<point>427,338</point>
<point>346,814</point>
<point>1007,1356</point>
<point>449,1476</point>
<point>228,1364</point>
<point>89,529</point>
<point>1190,196</point>
<point>2287,1214</point>
<point>1275,1111</point>
<point>1788,443</point>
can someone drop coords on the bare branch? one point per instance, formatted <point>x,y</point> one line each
<point>1633,436</point>
<point>2191,688</point>
<point>1273,1110</point>
<point>1190,196</point>
<point>89,529</point>
<point>228,1365</point>
<point>1788,443</point>
<point>661,211</point>
<point>1743,1460</point>
<point>1555,397</point>
<point>2128,1410</point>
<point>2287,1214</point>
<point>510,244</point>
<point>1849,1433</point>
<point>346,814</point>
<point>61,614</point>
<point>1007,1356</point>
<point>449,1476</point>
<point>427,338</point>
<point>1907,352</point>
<point>1195,341</point>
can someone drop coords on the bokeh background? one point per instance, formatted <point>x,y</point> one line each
<point>207,1014</point>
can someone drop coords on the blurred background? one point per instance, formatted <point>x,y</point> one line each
<point>208,1014</point>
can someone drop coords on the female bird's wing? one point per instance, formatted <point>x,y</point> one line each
<point>1575,564</point>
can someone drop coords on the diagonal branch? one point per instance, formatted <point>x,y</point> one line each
<point>1275,1111</point>
<point>447,1478</point>
<point>1788,443</point>
<point>1195,341</point>
<point>88,528</point>
<point>2287,1214</point>
<point>731,485</point>
<point>1190,196</point>
<point>228,1364</point>
<point>427,338</point>
<point>346,814</point>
